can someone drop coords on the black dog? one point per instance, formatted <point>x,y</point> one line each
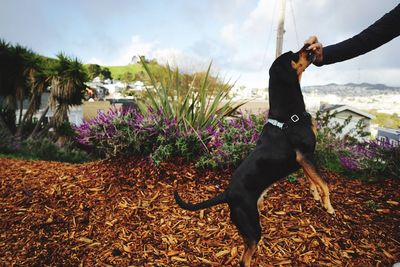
<point>287,143</point>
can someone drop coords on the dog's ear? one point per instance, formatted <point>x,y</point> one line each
<point>295,57</point>
<point>281,70</point>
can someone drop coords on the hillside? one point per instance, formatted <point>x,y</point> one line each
<point>118,71</point>
<point>364,96</point>
<point>352,89</point>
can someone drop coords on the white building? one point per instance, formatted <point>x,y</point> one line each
<point>341,113</point>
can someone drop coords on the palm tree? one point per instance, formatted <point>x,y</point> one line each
<point>26,75</point>
<point>66,78</point>
<point>13,76</point>
<point>67,87</point>
<point>36,80</point>
<point>5,68</point>
<point>22,67</point>
<point>67,83</point>
<point>5,90</point>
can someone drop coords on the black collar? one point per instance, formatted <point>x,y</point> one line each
<point>295,118</point>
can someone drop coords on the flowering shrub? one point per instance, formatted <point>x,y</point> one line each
<point>231,141</point>
<point>119,131</point>
<point>370,160</point>
<point>373,159</point>
<point>329,144</point>
<point>127,132</point>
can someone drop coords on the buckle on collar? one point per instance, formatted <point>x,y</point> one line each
<point>295,118</point>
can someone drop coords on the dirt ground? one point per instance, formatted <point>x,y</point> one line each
<point>121,212</point>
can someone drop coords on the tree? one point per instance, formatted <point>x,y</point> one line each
<point>25,75</point>
<point>94,71</point>
<point>140,76</point>
<point>7,114</point>
<point>67,87</point>
<point>127,77</point>
<point>106,73</point>
<point>17,73</point>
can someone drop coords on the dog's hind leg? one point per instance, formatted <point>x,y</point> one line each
<point>249,248</point>
<point>247,221</point>
<point>306,161</point>
<point>260,201</point>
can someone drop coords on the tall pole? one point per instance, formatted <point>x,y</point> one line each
<point>281,27</point>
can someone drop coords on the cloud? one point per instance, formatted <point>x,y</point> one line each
<point>185,60</point>
<point>229,35</point>
<point>259,17</point>
<point>252,29</point>
<point>95,60</point>
<point>247,41</point>
<point>136,47</point>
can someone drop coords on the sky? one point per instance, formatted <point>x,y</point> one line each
<point>237,36</point>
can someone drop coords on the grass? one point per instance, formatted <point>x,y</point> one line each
<point>385,120</point>
<point>18,156</point>
<point>117,71</point>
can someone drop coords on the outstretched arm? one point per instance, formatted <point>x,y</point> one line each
<point>379,33</point>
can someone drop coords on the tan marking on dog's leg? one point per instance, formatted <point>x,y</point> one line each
<point>313,189</point>
<point>299,156</point>
<point>314,126</point>
<point>260,202</point>
<point>248,252</point>
<point>244,251</point>
<point>324,190</point>
<point>313,175</point>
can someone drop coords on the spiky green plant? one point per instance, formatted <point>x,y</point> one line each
<point>67,87</point>
<point>197,106</point>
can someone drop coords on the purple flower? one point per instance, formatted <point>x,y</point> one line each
<point>349,163</point>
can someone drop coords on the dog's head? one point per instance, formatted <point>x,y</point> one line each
<point>301,60</point>
<point>290,66</point>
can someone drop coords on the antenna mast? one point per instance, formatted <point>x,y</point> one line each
<point>281,27</point>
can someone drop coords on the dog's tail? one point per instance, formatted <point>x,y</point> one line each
<point>218,199</point>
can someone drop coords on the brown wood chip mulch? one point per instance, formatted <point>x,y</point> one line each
<point>121,212</point>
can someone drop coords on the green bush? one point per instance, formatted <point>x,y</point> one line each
<point>45,149</point>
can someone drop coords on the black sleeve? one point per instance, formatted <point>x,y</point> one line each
<point>379,33</point>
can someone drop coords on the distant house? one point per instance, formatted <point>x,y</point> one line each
<point>391,136</point>
<point>137,86</point>
<point>135,60</point>
<point>342,112</point>
<point>98,90</point>
<point>74,113</point>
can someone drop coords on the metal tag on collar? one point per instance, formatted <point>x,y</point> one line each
<point>295,118</point>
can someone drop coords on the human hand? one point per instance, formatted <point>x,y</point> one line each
<point>316,47</point>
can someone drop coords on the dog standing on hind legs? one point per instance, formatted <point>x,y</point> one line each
<point>286,144</point>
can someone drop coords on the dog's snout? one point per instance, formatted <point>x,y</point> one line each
<point>311,56</point>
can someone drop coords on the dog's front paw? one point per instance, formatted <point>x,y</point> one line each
<point>315,194</point>
<point>330,210</point>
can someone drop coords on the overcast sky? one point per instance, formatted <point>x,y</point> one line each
<point>238,36</point>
